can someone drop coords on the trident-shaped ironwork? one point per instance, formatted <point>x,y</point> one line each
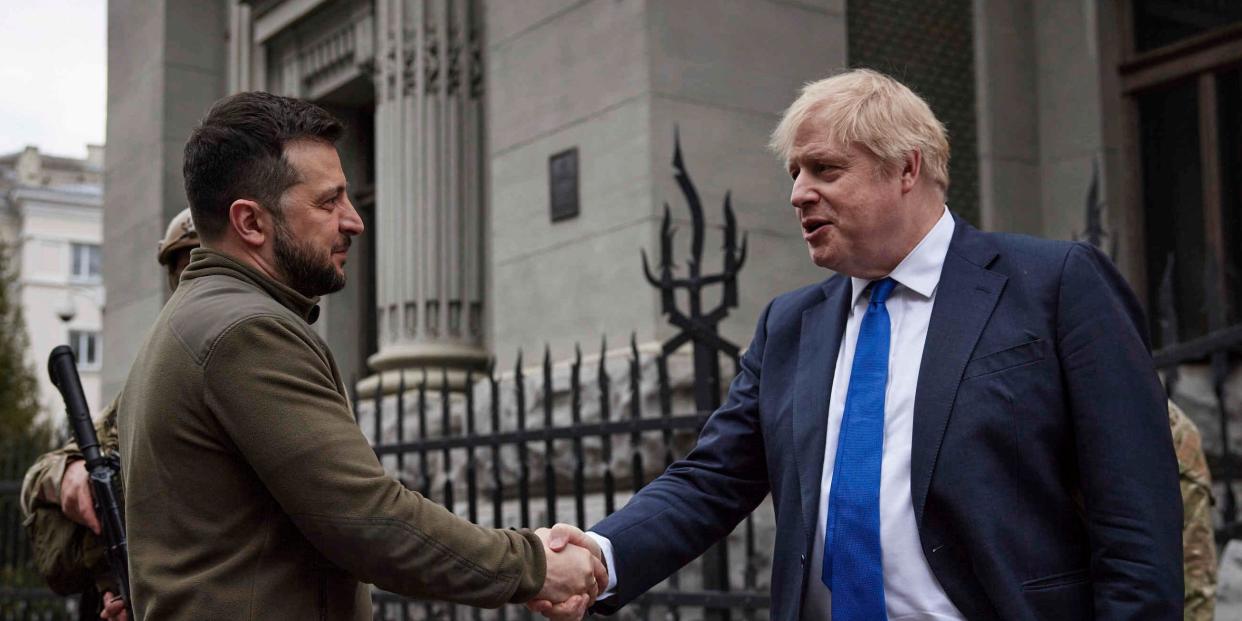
<point>697,325</point>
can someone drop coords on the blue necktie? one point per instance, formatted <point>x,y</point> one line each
<point>852,564</point>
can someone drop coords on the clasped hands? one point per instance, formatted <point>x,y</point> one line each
<point>575,574</point>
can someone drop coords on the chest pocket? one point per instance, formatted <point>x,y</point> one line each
<point>1008,358</point>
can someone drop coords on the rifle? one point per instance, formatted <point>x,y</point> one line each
<point>105,474</point>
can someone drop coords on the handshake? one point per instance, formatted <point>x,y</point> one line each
<point>575,574</point>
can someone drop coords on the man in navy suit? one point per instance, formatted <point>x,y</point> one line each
<point>956,425</point>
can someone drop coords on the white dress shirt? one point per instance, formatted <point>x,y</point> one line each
<point>911,591</point>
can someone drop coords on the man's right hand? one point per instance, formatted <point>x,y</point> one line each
<point>76,501</point>
<point>573,578</point>
<point>560,539</point>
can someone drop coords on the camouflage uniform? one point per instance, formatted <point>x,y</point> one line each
<point>1198,545</point>
<point>68,555</point>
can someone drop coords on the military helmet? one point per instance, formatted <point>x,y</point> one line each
<point>180,234</point>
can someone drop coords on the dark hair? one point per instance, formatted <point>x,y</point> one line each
<point>238,152</point>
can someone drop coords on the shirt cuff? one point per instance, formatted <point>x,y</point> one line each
<point>605,547</point>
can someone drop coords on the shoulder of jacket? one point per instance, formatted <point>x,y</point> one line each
<point>1020,246</point>
<point>217,306</point>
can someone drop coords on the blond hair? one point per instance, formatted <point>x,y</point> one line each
<point>873,111</point>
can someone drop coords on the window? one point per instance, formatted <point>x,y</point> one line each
<point>85,262</point>
<point>1182,76</point>
<point>86,348</point>
<point>1158,23</point>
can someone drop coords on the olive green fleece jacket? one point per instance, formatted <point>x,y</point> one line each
<point>250,492</point>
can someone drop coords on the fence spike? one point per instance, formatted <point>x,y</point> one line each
<point>401,423</point>
<point>549,471</point>
<point>379,408</point>
<point>445,423</point>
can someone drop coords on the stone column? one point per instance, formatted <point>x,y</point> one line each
<point>241,25</point>
<point>166,65</point>
<point>429,187</point>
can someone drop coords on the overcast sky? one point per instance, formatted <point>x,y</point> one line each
<point>53,75</point>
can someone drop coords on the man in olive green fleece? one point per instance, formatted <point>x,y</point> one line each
<point>250,491</point>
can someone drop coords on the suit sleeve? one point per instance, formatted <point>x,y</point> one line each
<point>276,398</point>
<point>698,500</point>
<point>1128,470</point>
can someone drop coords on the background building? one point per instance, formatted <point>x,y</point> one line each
<point>511,158</point>
<point>463,111</point>
<point>51,209</point>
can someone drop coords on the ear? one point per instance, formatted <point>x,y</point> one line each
<point>911,167</point>
<point>250,222</point>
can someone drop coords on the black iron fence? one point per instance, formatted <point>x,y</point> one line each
<point>23,595</point>
<point>523,450</point>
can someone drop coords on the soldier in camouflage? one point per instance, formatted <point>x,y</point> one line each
<point>56,498</point>
<point>1198,545</point>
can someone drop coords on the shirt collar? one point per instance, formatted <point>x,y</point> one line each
<point>920,270</point>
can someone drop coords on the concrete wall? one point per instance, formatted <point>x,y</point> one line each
<point>612,78</point>
<point>724,72</point>
<point>1070,135</point>
<point>166,65</point>
<point>1008,117</point>
<point>1046,87</point>
<point>560,75</point>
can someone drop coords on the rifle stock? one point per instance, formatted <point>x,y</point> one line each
<point>104,474</point>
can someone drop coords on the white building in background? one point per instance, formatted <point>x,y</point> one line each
<point>52,214</point>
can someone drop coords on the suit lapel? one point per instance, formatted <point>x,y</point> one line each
<point>819,343</point>
<point>965,299</point>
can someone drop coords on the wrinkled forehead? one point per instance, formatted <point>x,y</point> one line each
<point>816,143</point>
<point>814,132</point>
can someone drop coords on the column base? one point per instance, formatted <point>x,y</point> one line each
<point>436,362</point>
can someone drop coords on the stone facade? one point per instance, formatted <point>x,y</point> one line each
<point>456,107</point>
<point>464,262</point>
<point>505,85</point>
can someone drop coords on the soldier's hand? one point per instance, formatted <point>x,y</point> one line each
<point>114,608</point>
<point>76,501</point>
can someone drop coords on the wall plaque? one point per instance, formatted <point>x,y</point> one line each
<point>563,184</point>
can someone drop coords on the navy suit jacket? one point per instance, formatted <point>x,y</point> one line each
<point>1043,475</point>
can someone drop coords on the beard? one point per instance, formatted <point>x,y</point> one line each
<point>307,270</point>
